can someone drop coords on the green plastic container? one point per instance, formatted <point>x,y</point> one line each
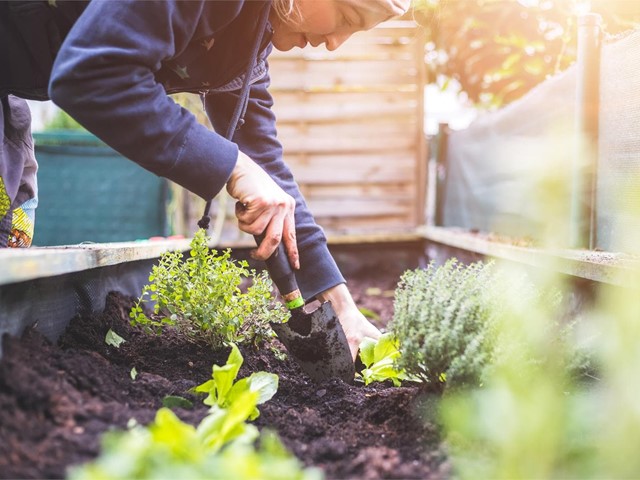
<point>90,193</point>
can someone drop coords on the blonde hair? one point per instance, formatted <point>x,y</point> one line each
<point>286,9</point>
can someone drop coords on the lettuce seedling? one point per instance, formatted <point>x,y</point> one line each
<point>221,447</point>
<point>223,391</point>
<point>379,358</point>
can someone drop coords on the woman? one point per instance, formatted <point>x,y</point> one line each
<point>110,65</point>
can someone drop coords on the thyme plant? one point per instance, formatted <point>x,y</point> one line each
<point>449,319</point>
<point>201,296</point>
<point>443,320</point>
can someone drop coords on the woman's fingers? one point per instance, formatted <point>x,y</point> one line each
<point>263,208</point>
<point>290,241</point>
<point>281,228</point>
<point>272,237</point>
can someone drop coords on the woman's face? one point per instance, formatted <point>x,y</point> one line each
<point>318,21</point>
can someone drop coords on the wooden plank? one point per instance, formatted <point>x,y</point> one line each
<point>378,88</point>
<point>396,167</point>
<point>330,74</point>
<point>357,53</point>
<point>392,96</point>
<point>347,138</point>
<point>400,192</point>
<point>335,227</point>
<point>351,144</point>
<point>19,265</point>
<point>363,120</point>
<point>607,267</point>
<point>343,111</point>
<point>371,129</point>
<point>354,207</point>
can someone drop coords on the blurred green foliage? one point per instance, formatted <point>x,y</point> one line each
<point>62,121</point>
<point>498,50</point>
<point>537,419</point>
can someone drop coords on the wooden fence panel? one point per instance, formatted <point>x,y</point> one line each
<point>351,123</point>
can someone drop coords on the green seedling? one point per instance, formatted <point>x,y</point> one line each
<point>169,446</point>
<point>222,446</point>
<point>113,339</point>
<point>173,401</point>
<point>223,391</point>
<point>380,359</point>
<point>448,320</point>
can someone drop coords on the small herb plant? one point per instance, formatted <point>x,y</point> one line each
<point>202,298</point>
<point>380,359</point>
<point>443,319</point>
<point>449,321</point>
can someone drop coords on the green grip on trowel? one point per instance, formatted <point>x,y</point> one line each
<point>295,303</point>
<point>283,276</point>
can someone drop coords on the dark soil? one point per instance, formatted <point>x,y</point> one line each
<point>57,400</point>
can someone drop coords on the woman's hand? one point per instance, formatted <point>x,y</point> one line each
<point>263,208</point>
<point>356,327</point>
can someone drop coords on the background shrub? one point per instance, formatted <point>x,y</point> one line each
<point>449,321</point>
<point>442,319</point>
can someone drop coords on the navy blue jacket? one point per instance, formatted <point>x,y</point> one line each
<point>115,67</point>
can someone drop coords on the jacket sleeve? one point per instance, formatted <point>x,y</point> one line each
<point>257,138</point>
<point>103,76</point>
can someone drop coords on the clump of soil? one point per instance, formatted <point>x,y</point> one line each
<point>57,400</point>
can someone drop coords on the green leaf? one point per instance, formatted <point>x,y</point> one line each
<point>113,339</point>
<point>133,373</point>
<point>367,348</point>
<point>379,358</point>
<point>223,377</point>
<point>387,347</point>
<point>369,313</point>
<point>169,430</point>
<point>173,401</point>
<point>265,384</point>
<point>223,425</point>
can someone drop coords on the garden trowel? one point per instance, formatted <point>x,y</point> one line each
<point>314,339</point>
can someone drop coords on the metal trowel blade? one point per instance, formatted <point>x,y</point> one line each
<point>317,343</point>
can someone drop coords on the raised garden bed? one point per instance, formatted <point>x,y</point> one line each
<point>57,400</point>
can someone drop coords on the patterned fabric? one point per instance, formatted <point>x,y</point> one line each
<point>5,201</point>
<point>18,167</point>
<point>23,224</point>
